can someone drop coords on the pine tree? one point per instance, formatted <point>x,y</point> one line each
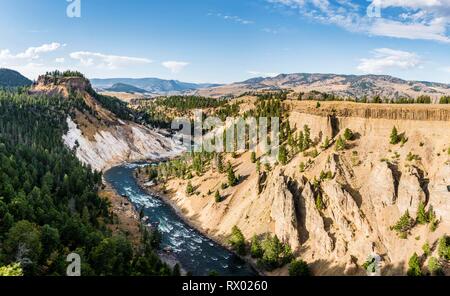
<point>298,268</point>
<point>326,143</point>
<point>237,241</point>
<point>253,157</point>
<point>302,167</point>
<point>319,202</point>
<point>434,266</point>
<point>176,270</point>
<point>426,249</point>
<point>301,140</point>
<point>306,137</point>
<point>348,134</point>
<point>395,138</point>
<point>422,215</point>
<point>340,144</point>
<point>258,166</point>
<point>232,180</point>
<point>414,266</point>
<point>220,163</point>
<point>282,155</point>
<point>256,250</point>
<point>189,188</point>
<point>218,197</point>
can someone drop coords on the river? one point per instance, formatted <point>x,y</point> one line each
<point>196,253</point>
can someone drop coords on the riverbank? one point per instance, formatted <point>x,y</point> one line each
<point>220,240</point>
<point>129,224</point>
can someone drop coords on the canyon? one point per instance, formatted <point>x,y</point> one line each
<point>365,188</point>
<point>370,185</point>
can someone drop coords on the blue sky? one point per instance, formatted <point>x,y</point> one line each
<point>229,40</point>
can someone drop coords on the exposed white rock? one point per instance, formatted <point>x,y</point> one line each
<point>410,192</point>
<point>123,143</point>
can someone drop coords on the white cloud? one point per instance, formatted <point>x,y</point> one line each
<point>446,69</point>
<point>410,3</point>
<point>409,19</point>
<point>32,53</point>
<point>433,31</point>
<point>175,66</point>
<point>100,60</point>
<point>232,18</point>
<point>29,62</point>
<point>263,74</point>
<point>386,58</point>
<point>60,60</point>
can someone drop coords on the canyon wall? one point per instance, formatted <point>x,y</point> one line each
<point>372,184</point>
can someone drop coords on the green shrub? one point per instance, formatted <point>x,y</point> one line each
<point>404,224</point>
<point>189,189</point>
<point>444,248</point>
<point>414,266</point>
<point>348,134</point>
<point>253,157</point>
<point>237,241</point>
<point>394,138</point>
<point>11,270</point>
<point>298,268</point>
<point>422,215</point>
<point>275,253</point>
<point>302,167</point>
<point>434,266</point>
<point>426,249</point>
<point>218,198</point>
<point>319,202</point>
<point>340,144</point>
<point>256,250</point>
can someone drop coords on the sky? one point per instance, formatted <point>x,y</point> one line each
<point>229,40</point>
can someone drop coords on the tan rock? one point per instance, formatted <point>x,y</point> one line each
<point>283,210</point>
<point>318,236</point>
<point>344,209</point>
<point>439,192</point>
<point>410,192</point>
<point>380,188</point>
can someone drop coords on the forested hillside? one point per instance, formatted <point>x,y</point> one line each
<point>49,202</point>
<point>10,79</point>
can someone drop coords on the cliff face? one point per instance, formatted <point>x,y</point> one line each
<point>125,142</point>
<point>418,112</point>
<point>368,187</point>
<point>98,137</point>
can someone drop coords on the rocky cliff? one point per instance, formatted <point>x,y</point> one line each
<point>98,137</point>
<point>364,189</point>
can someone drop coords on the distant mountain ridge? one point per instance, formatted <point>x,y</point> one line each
<point>150,85</point>
<point>122,87</point>
<point>347,86</point>
<point>11,78</point>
